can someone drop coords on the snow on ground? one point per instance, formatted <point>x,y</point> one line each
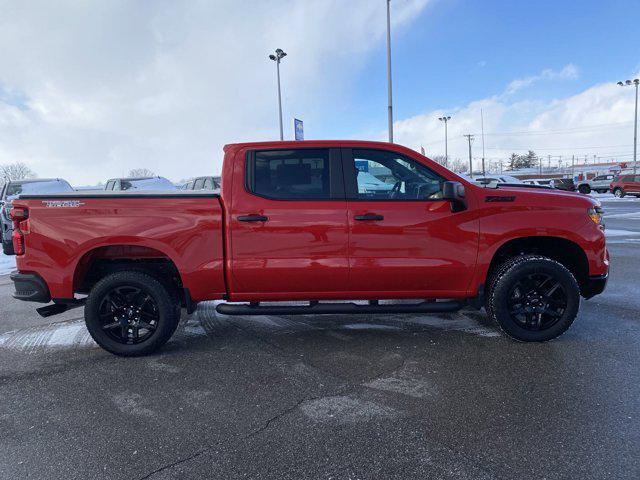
<point>610,197</point>
<point>7,263</point>
<point>612,232</point>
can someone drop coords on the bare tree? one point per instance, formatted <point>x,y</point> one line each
<point>141,172</point>
<point>441,159</point>
<point>459,166</point>
<point>16,171</point>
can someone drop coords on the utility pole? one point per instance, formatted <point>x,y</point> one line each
<point>445,119</point>
<point>635,82</point>
<point>470,139</point>
<point>573,159</point>
<point>549,162</point>
<point>482,127</point>
<point>390,112</point>
<point>540,164</point>
<point>277,58</point>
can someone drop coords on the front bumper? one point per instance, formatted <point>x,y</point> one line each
<point>30,287</point>
<point>595,285</point>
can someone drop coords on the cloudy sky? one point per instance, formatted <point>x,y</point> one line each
<point>91,89</point>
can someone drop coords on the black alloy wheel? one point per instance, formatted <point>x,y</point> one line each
<point>129,315</point>
<point>537,301</point>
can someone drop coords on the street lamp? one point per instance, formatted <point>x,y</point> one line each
<point>446,142</point>
<point>276,58</point>
<point>389,89</point>
<point>635,123</point>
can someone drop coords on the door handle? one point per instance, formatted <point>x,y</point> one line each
<point>370,217</point>
<point>252,218</point>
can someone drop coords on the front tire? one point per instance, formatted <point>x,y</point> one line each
<point>533,298</point>
<point>586,189</point>
<point>130,313</point>
<point>618,192</point>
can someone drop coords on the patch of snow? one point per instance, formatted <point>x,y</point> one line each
<point>611,232</point>
<point>7,263</point>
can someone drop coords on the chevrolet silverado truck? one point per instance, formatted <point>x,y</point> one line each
<point>296,222</point>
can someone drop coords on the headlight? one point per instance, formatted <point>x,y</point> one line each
<point>595,214</point>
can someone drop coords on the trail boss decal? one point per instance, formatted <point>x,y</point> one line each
<point>62,203</point>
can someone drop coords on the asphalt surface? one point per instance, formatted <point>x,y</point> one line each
<point>340,397</point>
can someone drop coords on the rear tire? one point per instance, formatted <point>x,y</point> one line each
<point>130,313</point>
<point>7,248</point>
<point>533,298</point>
<point>586,189</point>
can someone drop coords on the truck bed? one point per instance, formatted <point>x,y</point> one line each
<point>68,232</point>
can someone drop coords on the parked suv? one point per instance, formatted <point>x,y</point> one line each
<point>139,183</point>
<point>598,184</point>
<point>563,184</point>
<point>626,185</point>
<point>202,183</point>
<point>12,189</point>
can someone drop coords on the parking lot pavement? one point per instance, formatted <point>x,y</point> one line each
<point>386,396</point>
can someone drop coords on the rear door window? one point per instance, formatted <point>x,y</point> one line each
<point>208,184</point>
<point>298,174</point>
<point>199,185</point>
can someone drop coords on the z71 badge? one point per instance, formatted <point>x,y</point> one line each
<point>62,203</point>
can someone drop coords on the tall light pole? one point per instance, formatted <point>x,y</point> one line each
<point>635,82</point>
<point>390,107</point>
<point>470,139</point>
<point>446,139</point>
<point>276,58</point>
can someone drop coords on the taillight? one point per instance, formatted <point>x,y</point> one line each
<point>19,215</point>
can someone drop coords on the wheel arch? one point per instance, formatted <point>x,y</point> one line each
<point>102,260</point>
<point>562,250</point>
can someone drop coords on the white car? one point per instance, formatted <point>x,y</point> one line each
<point>492,180</point>
<point>368,183</point>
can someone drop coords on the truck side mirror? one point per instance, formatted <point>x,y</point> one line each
<point>454,193</point>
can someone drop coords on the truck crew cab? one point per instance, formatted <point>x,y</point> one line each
<point>298,221</point>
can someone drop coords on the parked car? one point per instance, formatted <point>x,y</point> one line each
<point>599,184</point>
<point>12,189</point>
<point>139,183</point>
<point>625,185</point>
<point>202,183</point>
<point>491,180</point>
<point>563,184</point>
<point>293,224</point>
<point>543,182</point>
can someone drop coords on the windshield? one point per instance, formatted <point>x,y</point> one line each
<point>49,186</point>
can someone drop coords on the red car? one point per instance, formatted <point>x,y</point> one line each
<point>625,185</point>
<point>307,221</point>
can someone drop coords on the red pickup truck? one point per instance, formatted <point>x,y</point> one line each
<point>314,221</point>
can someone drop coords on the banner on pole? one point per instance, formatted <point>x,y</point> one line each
<point>298,128</point>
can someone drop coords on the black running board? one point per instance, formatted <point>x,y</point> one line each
<point>58,308</point>
<point>337,308</point>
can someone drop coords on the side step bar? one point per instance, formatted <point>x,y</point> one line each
<point>60,307</point>
<point>337,308</point>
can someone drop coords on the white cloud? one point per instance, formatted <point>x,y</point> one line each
<point>569,72</point>
<point>97,88</point>
<point>597,121</point>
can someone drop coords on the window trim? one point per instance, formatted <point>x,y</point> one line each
<point>351,182</point>
<point>336,179</point>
